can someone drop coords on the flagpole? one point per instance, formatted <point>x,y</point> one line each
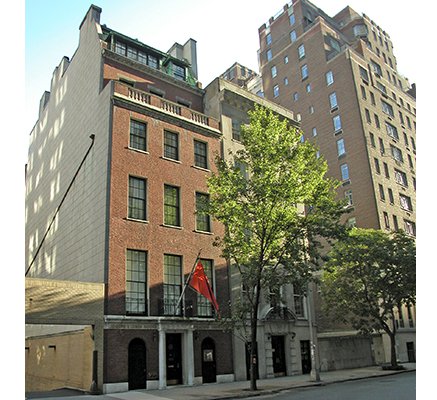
<point>187,281</point>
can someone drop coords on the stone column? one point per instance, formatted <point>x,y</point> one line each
<point>162,360</point>
<point>189,357</point>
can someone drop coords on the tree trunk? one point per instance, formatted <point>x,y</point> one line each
<point>253,344</point>
<point>392,335</point>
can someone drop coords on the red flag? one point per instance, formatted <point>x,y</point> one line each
<point>200,283</point>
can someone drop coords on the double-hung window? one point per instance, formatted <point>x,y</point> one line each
<point>203,220</point>
<point>337,123</point>
<point>333,100</point>
<point>171,145</point>
<point>304,71</point>
<point>172,284</point>
<point>204,308</point>
<point>200,154</point>
<point>137,137</point>
<point>341,150</point>
<point>172,212</point>
<point>136,282</point>
<point>344,169</point>
<point>137,198</point>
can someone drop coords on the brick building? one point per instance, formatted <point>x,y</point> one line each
<point>117,169</point>
<point>339,75</point>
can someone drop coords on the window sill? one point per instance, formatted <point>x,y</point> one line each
<point>143,221</point>
<point>203,232</point>
<point>171,159</point>
<point>137,150</point>
<point>201,168</point>
<point>172,226</point>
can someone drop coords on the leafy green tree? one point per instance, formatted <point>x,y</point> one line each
<point>275,200</point>
<point>368,275</point>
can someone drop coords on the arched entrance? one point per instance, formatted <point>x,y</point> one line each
<point>209,373</point>
<point>137,365</point>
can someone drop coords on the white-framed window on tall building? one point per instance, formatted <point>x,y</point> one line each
<point>292,19</point>
<point>293,36</point>
<point>333,100</point>
<point>341,149</point>
<point>301,51</point>
<point>348,197</point>
<point>344,169</point>
<point>172,284</point>
<point>396,153</point>
<point>337,123</point>
<point>274,71</point>
<point>329,78</point>
<point>276,91</point>
<point>304,71</point>
<point>269,54</point>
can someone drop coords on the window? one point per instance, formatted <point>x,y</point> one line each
<point>276,91</point>
<point>377,168</point>
<point>348,197</point>
<point>172,283</point>
<point>268,39</point>
<point>301,51</point>
<point>236,130</point>
<point>391,130</point>
<point>364,75</point>
<point>401,178</point>
<point>120,48</point>
<point>381,146</point>
<point>137,198</point>
<point>368,119</point>
<point>344,172</point>
<point>337,123</point>
<point>286,60</point>
<point>292,19</point>
<point>299,302</point>
<point>372,140</point>
<point>308,88</point>
<point>386,171</point>
<point>376,68</point>
<point>285,81</point>
<point>340,147</point>
<point>396,154</point>
<point>269,54</point>
<point>178,72</point>
<point>333,100</point>
<point>329,78</point>
<point>293,36</point>
<point>295,96</point>
<point>204,307</point>
<point>171,145</point>
<point>386,220</point>
<point>395,223</point>
<point>314,131</point>
<point>136,282</point>
<point>172,210</point>
<point>363,92</point>
<point>137,138</point>
<point>200,154</point>
<point>381,192</point>
<point>274,71</point>
<point>152,61</point>
<point>410,227</point>
<point>391,197</point>
<point>203,220</point>
<point>387,108</point>
<point>406,203</point>
<point>304,71</point>
<point>378,125</point>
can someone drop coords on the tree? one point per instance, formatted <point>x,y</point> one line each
<point>368,275</point>
<point>274,199</point>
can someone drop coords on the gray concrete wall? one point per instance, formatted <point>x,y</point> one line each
<point>74,248</point>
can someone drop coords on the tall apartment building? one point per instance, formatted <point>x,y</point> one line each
<point>339,75</point>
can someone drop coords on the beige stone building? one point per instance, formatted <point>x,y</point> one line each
<point>339,75</point>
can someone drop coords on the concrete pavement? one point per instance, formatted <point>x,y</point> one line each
<point>232,390</point>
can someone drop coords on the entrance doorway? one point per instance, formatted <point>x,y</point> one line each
<point>278,354</point>
<point>137,365</point>
<point>174,358</point>
<point>411,352</point>
<point>305,355</point>
<point>209,373</point>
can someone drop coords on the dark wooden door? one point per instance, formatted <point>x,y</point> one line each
<point>278,353</point>
<point>137,365</point>
<point>209,373</point>
<point>411,352</point>
<point>174,358</point>
<point>305,354</point>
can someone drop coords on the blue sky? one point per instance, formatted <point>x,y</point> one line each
<point>226,31</point>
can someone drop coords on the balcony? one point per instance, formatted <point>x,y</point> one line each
<point>164,106</point>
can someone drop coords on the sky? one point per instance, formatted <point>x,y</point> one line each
<point>226,31</point>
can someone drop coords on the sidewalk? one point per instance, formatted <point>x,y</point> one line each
<point>233,390</point>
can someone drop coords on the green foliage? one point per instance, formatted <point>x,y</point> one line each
<point>268,235</point>
<point>368,274</point>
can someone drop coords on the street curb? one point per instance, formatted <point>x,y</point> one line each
<point>265,392</point>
